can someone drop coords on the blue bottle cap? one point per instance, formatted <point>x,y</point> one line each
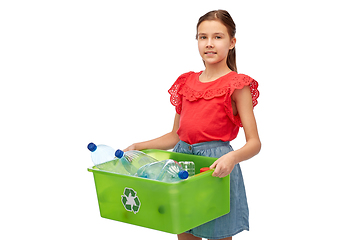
<point>183,174</point>
<point>92,147</point>
<point>119,153</point>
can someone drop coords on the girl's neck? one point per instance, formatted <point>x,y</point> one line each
<point>213,73</point>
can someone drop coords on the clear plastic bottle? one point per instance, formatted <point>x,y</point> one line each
<point>133,160</point>
<point>165,171</point>
<point>102,156</point>
<point>189,166</point>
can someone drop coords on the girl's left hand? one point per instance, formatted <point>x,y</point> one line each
<point>223,165</point>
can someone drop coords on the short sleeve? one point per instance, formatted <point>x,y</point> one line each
<point>176,97</point>
<point>238,82</point>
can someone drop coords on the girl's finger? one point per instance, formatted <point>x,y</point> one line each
<point>214,164</point>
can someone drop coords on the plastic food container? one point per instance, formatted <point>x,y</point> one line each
<point>168,207</point>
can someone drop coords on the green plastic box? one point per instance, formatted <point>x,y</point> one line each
<point>168,207</point>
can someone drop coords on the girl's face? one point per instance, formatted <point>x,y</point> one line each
<point>214,42</point>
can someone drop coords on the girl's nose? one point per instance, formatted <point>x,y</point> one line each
<point>209,43</point>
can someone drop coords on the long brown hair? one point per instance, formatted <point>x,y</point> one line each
<point>225,18</point>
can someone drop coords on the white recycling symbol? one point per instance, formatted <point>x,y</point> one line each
<point>130,200</point>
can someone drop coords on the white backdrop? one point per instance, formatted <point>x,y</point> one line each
<point>74,71</point>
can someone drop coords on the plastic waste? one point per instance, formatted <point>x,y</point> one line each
<point>204,169</point>
<point>133,160</point>
<point>165,171</point>
<point>189,166</point>
<point>101,153</point>
<point>103,157</point>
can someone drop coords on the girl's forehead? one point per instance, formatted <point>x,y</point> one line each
<point>211,26</point>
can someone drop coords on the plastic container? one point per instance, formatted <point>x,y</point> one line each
<point>188,166</point>
<point>165,171</point>
<point>168,207</point>
<point>133,160</point>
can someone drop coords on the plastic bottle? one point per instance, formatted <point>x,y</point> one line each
<point>189,166</point>
<point>204,169</point>
<point>103,156</point>
<point>133,160</point>
<point>165,171</point>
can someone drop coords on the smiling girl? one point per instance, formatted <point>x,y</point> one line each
<point>211,106</point>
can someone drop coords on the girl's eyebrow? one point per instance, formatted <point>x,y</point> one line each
<point>217,33</point>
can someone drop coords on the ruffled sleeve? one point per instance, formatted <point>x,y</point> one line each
<point>174,91</point>
<point>238,82</point>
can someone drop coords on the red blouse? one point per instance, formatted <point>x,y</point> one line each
<point>205,109</point>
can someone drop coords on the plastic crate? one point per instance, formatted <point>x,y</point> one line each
<point>169,207</point>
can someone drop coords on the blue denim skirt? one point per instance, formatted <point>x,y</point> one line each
<point>237,219</point>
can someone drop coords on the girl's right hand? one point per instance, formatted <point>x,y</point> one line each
<point>131,147</point>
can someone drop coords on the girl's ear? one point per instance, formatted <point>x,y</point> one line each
<point>232,43</point>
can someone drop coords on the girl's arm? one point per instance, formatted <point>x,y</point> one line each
<point>164,142</point>
<point>225,164</point>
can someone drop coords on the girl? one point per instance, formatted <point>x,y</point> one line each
<point>210,106</point>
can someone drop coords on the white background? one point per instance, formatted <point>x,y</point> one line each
<point>73,72</point>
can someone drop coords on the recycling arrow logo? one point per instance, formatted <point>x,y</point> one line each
<point>130,200</point>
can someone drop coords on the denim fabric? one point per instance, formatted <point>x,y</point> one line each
<point>237,219</point>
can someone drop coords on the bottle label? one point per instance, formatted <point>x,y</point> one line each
<point>130,200</point>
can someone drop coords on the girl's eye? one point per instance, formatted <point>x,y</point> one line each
<point>218,37</point>
<point>202,37</point>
